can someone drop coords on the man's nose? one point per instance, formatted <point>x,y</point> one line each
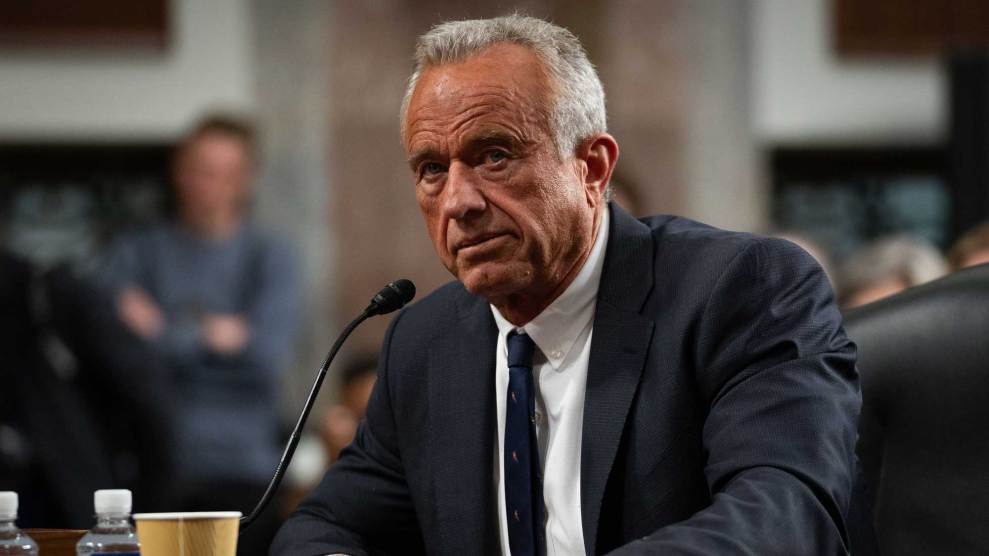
<point>462,195</point>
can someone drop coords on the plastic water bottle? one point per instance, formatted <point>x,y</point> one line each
<point>113,533</point>
<point>12,539</point>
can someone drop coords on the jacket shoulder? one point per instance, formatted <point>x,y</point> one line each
<point>442,303</point>
<point>691,260</point>
<point>688,243</point>
<point>436,313</point>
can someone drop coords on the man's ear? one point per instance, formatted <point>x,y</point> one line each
<point>597,156</point>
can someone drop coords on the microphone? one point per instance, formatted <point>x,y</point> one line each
<point>392,297</point>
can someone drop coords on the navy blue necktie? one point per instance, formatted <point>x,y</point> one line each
<point>523,476</point>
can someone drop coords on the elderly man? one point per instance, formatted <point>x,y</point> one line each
<point>592,382</point>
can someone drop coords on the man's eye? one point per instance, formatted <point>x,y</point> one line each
<point>495,156</point>
<point>430,168</point>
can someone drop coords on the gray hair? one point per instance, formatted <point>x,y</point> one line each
<point>578,104</point>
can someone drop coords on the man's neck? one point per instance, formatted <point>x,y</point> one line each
<point>519,309</point>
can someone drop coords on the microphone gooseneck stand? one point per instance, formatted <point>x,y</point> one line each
<point>393,296</point>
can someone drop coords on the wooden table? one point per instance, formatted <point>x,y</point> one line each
<point>56,542</point>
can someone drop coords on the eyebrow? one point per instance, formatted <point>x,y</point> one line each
<point>494,137</point>
<point>474,142</point>
<point>478,143</point>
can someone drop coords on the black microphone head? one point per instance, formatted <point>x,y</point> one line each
<point>392,297</point>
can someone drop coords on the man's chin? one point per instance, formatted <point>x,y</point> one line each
<point>491,284</point>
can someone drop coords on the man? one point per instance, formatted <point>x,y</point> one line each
<point>216,298</point>
<point>592,382</point>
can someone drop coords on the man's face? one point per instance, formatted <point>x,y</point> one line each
<point>506,215</point>
<point>212,173</point>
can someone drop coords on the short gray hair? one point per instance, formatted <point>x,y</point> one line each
<point>578,103</point>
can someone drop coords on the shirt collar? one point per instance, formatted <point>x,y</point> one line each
<point>556,329</point>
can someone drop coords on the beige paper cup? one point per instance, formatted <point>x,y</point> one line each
<point>188,533</point>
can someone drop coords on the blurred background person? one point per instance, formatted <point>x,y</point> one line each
<point>340,421</point>
<point>217,298</point>
<point>971,249</point>
<point>887,267</point>
<point>336,430</point>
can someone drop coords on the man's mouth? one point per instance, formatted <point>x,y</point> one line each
<point>477,242</point>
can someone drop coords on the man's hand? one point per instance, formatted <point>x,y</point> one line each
<point>226,334</point>
<point>140,313</point>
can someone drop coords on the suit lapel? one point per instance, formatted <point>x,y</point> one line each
<point>462,408</point>
<point>619,346</point>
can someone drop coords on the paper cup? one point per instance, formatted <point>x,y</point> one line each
<point>188,533</point>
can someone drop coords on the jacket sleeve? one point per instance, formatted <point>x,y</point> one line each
<point>778,375</point>
<point>339,516</point>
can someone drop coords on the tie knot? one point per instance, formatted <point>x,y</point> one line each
<point>520,350</point>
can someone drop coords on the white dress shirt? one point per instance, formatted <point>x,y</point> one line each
<point>562,332</point>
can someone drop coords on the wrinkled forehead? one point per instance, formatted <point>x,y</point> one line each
<point>504,80</point>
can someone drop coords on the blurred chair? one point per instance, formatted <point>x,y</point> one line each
<point>924,434</point>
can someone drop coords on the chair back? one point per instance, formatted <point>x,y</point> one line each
<point>924,432</point>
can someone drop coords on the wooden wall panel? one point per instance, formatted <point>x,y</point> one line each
<point>71,23</point>
<point>905,28</point>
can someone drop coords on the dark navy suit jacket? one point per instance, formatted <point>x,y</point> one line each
<point>720,414</point>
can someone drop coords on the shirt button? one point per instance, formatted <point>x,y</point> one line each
<point>556,354</point>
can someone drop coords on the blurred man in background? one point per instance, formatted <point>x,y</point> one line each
<point>340,421</point>
<point>886,267</point>
<point>217,298</point>
<point>971,249</point>
<point>336,430</point>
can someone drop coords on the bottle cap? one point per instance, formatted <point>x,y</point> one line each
<point>8,504</point>
<point>112,501</point>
